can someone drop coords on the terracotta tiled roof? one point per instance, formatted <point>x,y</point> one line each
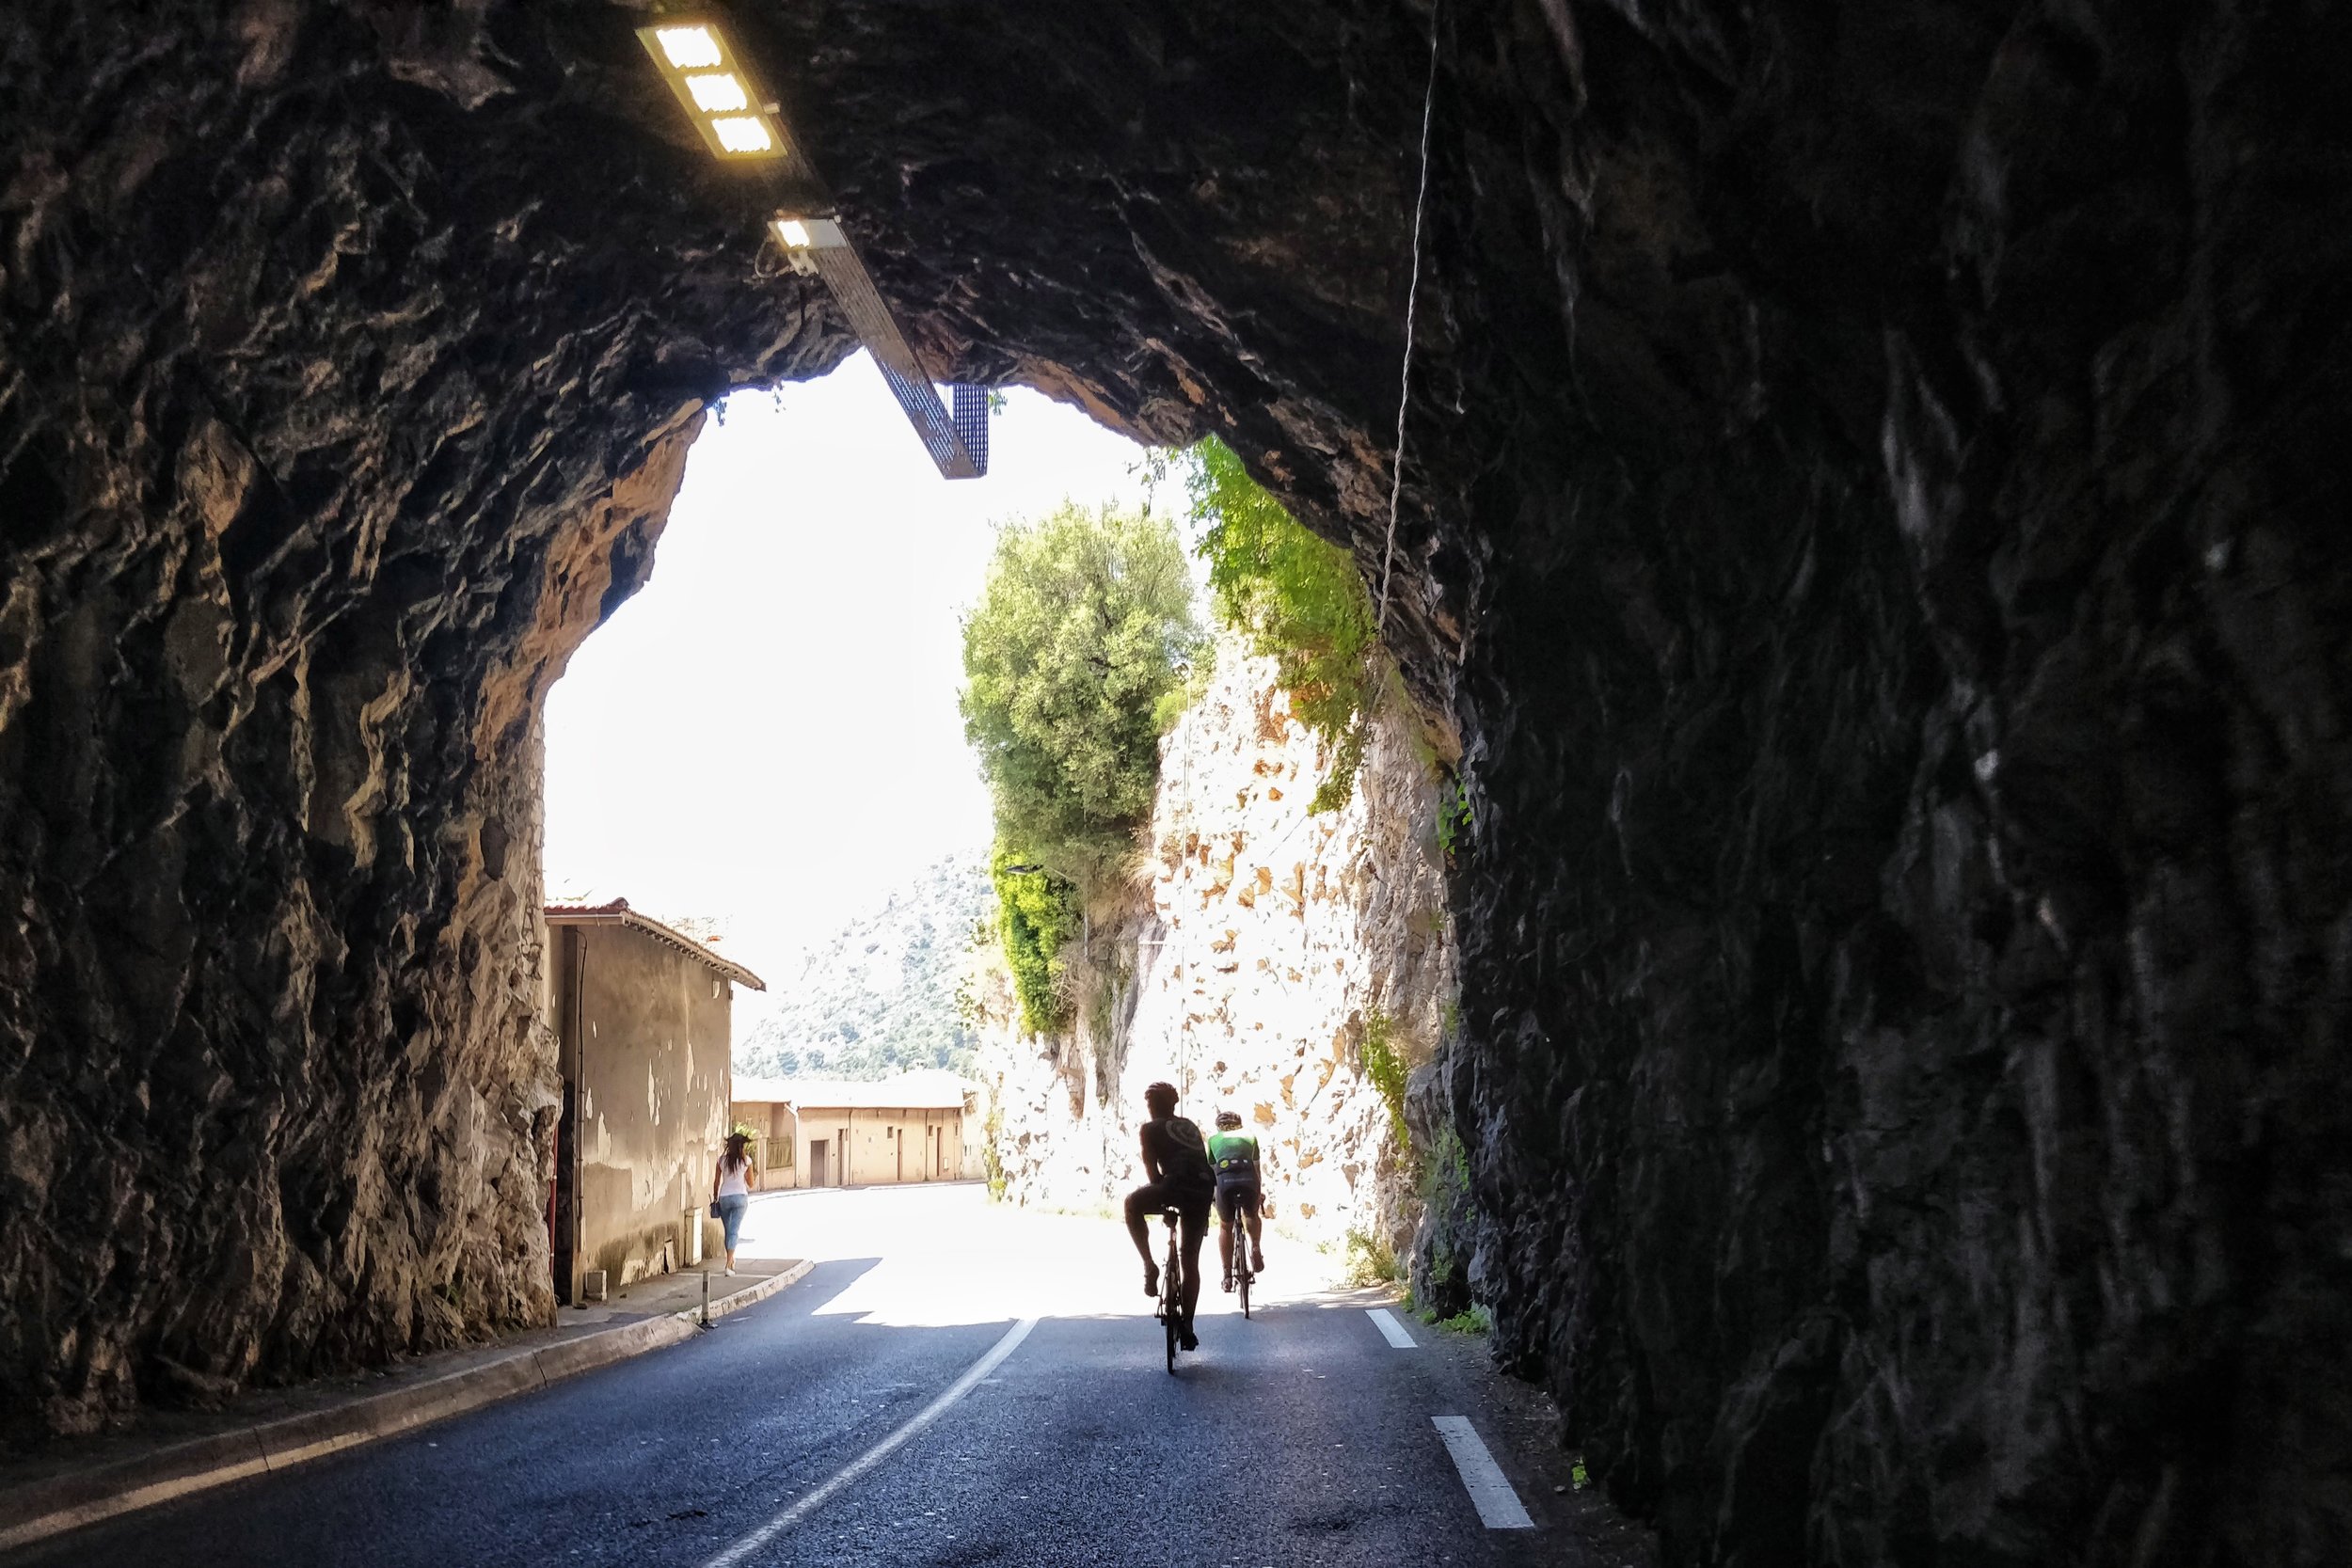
<point>587,909</point>
<point>909,1091</point>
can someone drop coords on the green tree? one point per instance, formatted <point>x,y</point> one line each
<point>1083,630</point>
<point>1037,914</point>
<point>1074,663</point>
<point>1300,600</point>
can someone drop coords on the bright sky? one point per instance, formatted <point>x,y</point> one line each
<point>768,732</point>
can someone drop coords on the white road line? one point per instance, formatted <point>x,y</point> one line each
<point>880,1452</point>
<point>1389,1328</point>
<point>1498,1507</point>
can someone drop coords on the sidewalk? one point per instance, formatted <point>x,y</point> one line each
<point>82,1480</point>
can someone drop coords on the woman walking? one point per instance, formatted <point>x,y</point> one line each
<point>731,1190</point>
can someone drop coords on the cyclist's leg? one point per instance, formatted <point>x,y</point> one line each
<point>1225,1232</point>
<point>1193,1217</point>
<point>1249,1207</point>
<point>1149,1199</point>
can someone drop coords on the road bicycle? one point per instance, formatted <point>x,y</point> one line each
<point>1239,1234</point>
<point>1173,1290</point>
<point>1235,1244</point>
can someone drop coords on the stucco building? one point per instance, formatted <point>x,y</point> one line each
<point>829,1133</point>
<point>642,1013</point>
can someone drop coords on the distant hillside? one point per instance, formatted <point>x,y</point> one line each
<point>881,996</point>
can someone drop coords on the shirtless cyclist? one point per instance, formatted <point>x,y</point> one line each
<point>1177,1176</point>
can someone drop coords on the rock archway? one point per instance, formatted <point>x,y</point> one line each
<point>1874,530</point>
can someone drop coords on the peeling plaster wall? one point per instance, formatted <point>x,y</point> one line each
<point>645,1032</point>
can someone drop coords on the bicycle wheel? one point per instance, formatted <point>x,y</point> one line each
<point>1242,1277</point>
<point>1172,1297</point>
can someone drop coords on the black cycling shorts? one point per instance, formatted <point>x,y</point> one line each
<point>1236,1194</point>
<point>1154,1198</point>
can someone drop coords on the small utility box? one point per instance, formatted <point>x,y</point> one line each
<point>592,1286</point>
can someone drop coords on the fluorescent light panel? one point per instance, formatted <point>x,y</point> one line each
<point>744,134</point>
<point>688,48</point>
<point>716,92</point>
<point>696,58</point>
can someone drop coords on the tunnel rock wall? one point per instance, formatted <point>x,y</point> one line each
<point>281,1097</point>
<point>1905,936</point>
<point>326,433</point>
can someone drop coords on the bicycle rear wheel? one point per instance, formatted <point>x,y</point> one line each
<point>1242,1277</point>
<point>1172,1293</point>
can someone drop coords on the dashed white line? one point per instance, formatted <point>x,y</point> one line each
<point>1498,1507</point>
<point>1389,1328</point>
<point>880,1452</point>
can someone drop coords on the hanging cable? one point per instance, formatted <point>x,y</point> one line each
<point>1412,299</point>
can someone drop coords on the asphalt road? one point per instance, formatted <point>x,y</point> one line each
<point>1301,1437</point>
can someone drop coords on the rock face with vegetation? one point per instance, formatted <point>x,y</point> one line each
<point>1292,967</point>
<point>1873,522</point>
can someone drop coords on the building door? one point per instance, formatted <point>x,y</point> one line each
<point>563,1205</point>
<point>817,1149</point>
<point>899,1153</point>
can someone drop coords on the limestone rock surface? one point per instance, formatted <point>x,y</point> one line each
<point>1273,942</point>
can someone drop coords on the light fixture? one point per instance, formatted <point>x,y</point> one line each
<point>803,237</point>
<point>716,93</point>
<point>739,125</point>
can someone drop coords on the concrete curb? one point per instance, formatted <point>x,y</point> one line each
<point>70,1501</point>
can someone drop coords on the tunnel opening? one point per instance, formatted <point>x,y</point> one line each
<point>1874,537</point>
<point>761,753</point>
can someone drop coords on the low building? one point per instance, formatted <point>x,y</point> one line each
<point>644,1017</point>
<point>829,1133</point>
<point>763,1108</point>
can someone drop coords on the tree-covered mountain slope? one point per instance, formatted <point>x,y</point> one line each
<point>880,996</point>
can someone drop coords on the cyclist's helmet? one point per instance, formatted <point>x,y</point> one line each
<point>1161,1097</point>
<point>1226,1119</point>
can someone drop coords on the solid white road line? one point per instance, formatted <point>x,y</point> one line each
<point>880,1452</point>
<point>1389,1328</point>
<point>1498,1507</point>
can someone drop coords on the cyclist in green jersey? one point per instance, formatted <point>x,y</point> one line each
<point>1234,1153</point>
